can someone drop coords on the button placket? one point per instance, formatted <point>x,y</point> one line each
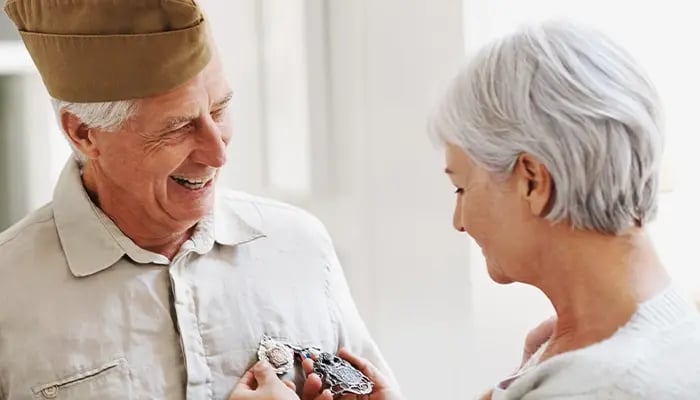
<point>198,374</point>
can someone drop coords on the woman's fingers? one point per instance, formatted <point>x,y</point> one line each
<point>308,366</point>
<point>326,395</point>
<point>290,385</point>
<point>312,387</point>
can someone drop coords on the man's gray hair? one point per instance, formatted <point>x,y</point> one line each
<point>107,115</point>
<point>579,103</point>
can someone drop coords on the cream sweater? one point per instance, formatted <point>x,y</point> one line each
<point>655,356</point>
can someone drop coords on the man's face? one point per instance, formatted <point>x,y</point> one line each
<point>165,159</point>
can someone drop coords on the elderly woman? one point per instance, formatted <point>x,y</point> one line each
<point>553,140</point>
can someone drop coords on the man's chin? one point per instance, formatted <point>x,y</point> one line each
<point>192,209</point>
<point>196,209</point>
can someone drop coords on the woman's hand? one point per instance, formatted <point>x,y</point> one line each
<point>382,389</point>
<point>534,340</point>
<point>261,383</point>
<point>537,337</point>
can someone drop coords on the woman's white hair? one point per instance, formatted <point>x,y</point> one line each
<point>108,116</point>
<point>574,99</point>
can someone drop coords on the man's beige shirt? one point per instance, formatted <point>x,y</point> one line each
<point>87,314</point>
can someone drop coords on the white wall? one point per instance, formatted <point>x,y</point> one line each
<point>386,57</point>
<point>236,28</point>
<point>29,158</point>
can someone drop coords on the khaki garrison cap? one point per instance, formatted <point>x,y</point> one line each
<point>108,50</point>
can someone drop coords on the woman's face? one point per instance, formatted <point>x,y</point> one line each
<point>497,213</point>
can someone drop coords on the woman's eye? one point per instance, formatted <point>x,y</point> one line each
<point>459,191</point>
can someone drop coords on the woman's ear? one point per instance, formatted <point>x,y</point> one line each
<point>534,184</point>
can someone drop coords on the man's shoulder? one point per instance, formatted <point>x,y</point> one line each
<point>269,214</point>
<point>27,235</point>
<point>32,224</point>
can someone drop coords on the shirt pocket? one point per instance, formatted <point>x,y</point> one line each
<point>105,382</point>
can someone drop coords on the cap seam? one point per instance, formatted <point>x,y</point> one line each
<point>112,35</point>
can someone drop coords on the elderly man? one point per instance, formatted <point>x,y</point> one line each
<point>139,280</point>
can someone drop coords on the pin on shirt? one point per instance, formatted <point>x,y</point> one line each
<point>278,354</point>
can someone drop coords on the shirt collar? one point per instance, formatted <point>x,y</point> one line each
<point>92,242</point>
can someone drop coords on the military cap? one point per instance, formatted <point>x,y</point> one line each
<point>108,50</point>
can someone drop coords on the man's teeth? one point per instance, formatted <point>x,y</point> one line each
<point>191,183</point>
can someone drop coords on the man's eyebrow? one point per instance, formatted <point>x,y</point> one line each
<point>175,122</point>
<point>448,171</point>
<point>223,102</point>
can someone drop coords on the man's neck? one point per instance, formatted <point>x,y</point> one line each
<point>133,221</point>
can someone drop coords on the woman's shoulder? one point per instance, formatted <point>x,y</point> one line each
<point>643,367</point>
<point>657,352</point>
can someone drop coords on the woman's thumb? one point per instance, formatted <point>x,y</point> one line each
<point>264,373</point>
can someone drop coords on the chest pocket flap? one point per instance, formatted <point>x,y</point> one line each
<point>107,381</point>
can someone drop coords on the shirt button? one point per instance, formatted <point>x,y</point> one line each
<point>50,392</point>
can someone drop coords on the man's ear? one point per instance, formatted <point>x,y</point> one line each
<point>534,184</point>
<point>82,137</point>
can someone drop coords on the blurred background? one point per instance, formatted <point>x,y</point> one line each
<point>331,99</point>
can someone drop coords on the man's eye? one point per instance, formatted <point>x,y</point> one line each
<point>459,191</point>
<point>183,127</point>
<point>217,115</point>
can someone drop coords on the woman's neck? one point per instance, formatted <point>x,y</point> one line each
<point>595,283</point>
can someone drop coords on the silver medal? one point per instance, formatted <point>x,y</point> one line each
<point>278,354</point>
<point>341,377</point>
